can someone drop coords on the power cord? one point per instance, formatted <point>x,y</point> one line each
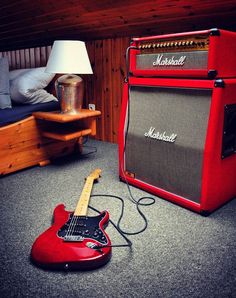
<point>93,148</point>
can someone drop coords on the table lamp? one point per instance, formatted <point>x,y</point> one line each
<point>69,57</point>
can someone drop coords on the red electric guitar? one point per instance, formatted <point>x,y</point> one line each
<point>74,241</point>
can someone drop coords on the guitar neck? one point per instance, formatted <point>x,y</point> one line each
<point>82,206</point>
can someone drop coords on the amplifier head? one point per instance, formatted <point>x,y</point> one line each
<point>208,53</point>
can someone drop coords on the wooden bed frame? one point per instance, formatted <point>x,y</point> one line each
<point>22,145</point>
<point>42,137</point>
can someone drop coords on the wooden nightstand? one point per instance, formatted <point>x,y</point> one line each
<point>65,127</point>
<point>42,137</point>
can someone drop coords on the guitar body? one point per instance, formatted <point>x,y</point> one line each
<point>73,242</point>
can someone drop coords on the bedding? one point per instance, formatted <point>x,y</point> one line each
<point>13,74</point>
<point>19,112</point>
<point>22,92</point>
<point>27,86</point>
<point>5,100</point>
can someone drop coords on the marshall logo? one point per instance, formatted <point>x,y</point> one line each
<point>161,61</point>
<point>160,136</point>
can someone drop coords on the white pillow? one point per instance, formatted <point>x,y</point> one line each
<point>17,72</point>
<point>27,86</point>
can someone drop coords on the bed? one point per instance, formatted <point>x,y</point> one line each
<point>21,142</point>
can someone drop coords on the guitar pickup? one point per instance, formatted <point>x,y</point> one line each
<point>73,238</point>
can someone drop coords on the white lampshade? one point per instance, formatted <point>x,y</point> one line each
<point>69,56</point>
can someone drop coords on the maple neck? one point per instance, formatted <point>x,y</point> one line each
<point>82,206</point>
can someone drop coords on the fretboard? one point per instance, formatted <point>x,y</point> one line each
<point>82,206</point>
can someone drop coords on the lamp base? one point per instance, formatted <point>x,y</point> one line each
<point>70,92</point>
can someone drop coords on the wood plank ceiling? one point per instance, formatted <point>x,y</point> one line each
<point>27,23</point>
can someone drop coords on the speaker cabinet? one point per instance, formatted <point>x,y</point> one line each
<point>177,139</point>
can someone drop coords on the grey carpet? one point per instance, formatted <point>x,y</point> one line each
<point>181,254</point>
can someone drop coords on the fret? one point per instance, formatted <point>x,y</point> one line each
<point>82,206</point>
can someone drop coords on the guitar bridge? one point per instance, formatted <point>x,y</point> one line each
<point>73,238</point>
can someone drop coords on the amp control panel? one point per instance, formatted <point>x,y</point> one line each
<point>158,45</point>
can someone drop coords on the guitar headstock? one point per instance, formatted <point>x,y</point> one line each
<point>95,174</point>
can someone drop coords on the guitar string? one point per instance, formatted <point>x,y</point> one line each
<point>70,228</point>
<point>73,223</point>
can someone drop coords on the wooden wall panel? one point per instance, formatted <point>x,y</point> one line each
<point>103,88</point>
<point>118,74</point>
<point>27,58</point>
<point>28,23</point>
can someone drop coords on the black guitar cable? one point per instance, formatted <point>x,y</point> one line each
<point>118,225</point>
<point>129,243</point>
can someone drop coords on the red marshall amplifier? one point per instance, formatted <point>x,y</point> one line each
<point>177,137</point>
<point>201,54</point>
